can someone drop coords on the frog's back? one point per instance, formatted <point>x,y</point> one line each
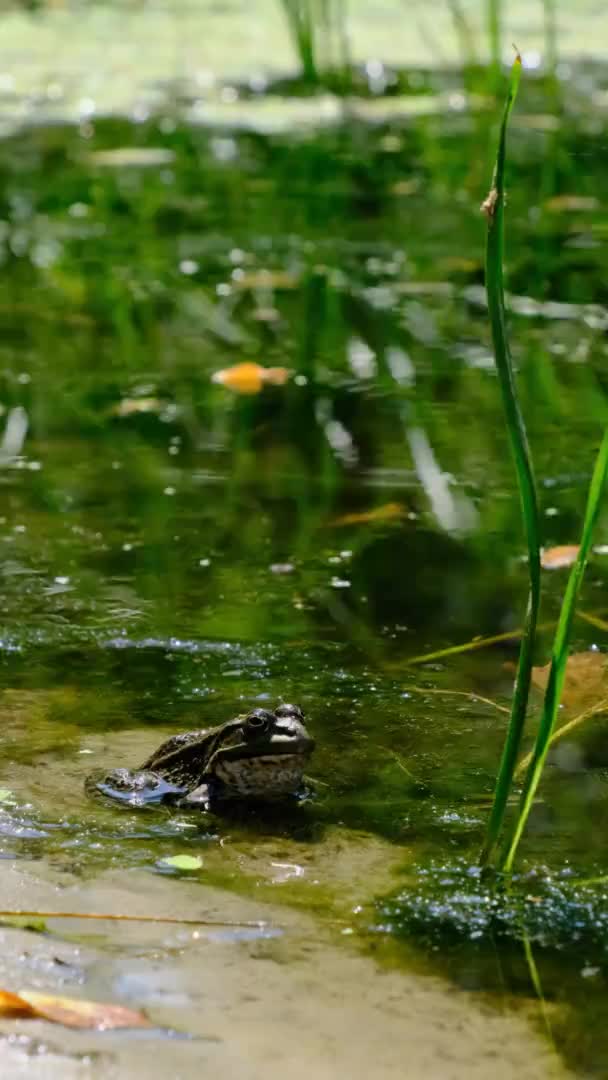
<point>175,759</point>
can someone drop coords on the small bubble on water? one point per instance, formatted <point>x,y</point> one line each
<point>339,583</point>
<point>188,266</point>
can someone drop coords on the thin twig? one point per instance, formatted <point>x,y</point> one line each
<point>21,914</point>
<point>457,693</point>
<point>565,729</point>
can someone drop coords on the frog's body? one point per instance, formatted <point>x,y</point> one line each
<point>260,755</point>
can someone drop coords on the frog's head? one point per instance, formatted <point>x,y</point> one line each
<point>262,754</point>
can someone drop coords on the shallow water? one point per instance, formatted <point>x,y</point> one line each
<point>175,552</point>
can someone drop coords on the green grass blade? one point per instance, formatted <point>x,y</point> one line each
<point>300,24</point>
<point>560,653</point>
<point>494,209</point>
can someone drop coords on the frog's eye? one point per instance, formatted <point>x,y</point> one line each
<point>259,722</point>
<point>290,710</point>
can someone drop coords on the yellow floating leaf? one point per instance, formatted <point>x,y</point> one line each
<point>141,157</point>
<point>460,264</point>
<point>264,279</point>
<point>389,512</point>
<point>405,187</point>
<point>561,204</point>
<point>556,558</point>
<point>586,679</point>
<point>250,378</point>
<point>182,862</point>
<point>132,406</point>
<point>266,315</point>
<point>71,1012</point>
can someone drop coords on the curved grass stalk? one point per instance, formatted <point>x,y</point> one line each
<point>559,658</point>
<point>493,207</point>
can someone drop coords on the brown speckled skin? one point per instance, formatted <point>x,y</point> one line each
<point>260,755</point>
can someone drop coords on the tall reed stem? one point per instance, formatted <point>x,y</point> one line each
<point>494,209</point>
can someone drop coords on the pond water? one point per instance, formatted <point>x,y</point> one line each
<point>176,551</point>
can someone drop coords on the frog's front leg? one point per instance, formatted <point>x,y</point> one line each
<point>198,799</point>
<point>134,787</point>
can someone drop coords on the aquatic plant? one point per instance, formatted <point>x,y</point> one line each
<point>449,904</point>
<point>494,210</point>
<point>318,32</point>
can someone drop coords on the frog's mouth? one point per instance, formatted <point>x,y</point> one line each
<point>285,740</point>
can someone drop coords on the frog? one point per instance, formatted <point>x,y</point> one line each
<point>259,755</point>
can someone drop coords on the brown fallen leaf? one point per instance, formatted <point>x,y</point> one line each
<point>71,1012</point>
<point>586,679</point>
<point>389,512</point>
<point>557,558</point>
<point>12,1006</point>
<point>250,378</point>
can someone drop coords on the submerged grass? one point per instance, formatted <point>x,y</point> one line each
<point>494,210</point>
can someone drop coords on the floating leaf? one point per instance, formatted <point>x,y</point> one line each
<point>135,156</point>
<point>130,406</point>
<point>389,512</point>
<point>557,558</point>
<point>586,679</point>
<point>561,204</point>
<point>12,1006</point>
<point>405,187</point>
<point>182,862</point>
<point>71,1012</point>
<point>264,279</point>
<point>250,378</point>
